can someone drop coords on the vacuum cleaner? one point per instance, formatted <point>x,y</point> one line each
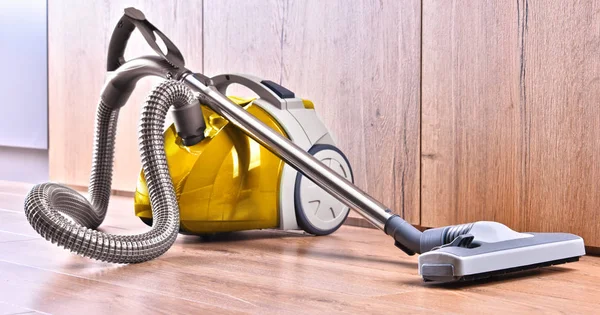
<point>230,164</point>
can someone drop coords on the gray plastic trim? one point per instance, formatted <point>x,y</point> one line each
<point>121,82</point>
<point>189,122</point>
<point>407,237</point>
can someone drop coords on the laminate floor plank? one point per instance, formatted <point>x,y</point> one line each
<point>354,270</point>
<point>51,292</point>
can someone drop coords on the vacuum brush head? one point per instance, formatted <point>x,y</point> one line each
<point>485,249</point>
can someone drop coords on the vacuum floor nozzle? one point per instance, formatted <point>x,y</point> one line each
<point>492,249</point>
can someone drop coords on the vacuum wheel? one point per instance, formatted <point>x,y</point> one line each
<point>317,212</point>
<point>147,221</point>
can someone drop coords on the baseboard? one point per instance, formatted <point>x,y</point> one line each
<point>592,251</point>
<point>354,219</point>
<point>114,192</point>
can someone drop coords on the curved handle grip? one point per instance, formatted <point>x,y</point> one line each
<point>132,19</point>
<point>118,42</point>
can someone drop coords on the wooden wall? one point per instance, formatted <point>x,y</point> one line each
<point>511,120</point>
<point>507,127</point>
<point>359,63</point>
<point>78,33</point>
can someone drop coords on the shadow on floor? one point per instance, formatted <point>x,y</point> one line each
<point>362,258</point>
<point>303,249</point>
<point>240,236</point>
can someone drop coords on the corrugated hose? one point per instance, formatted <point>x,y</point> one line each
<point>49,206</point>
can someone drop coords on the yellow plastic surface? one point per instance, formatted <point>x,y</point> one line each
<point>226,182</point>
<point>308,104</point>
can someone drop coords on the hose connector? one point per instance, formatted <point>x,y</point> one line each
<point>407,237</point>
<point>189,122</point>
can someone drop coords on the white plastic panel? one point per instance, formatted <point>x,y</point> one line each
<point>310,122</point>
<point>288,176</point>
<point>322,210</point>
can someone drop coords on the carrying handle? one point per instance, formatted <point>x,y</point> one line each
<point>132,19</point>
<point>223,81</point>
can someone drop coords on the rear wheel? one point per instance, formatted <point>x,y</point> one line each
<point>317,212</point>
<point>147,221</point>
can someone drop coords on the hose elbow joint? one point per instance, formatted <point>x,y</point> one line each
<point>121,82</point>
<point>406,236</point>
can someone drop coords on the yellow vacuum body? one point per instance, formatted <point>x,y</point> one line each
<point>229,182</point>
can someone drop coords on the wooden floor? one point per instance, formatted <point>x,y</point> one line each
<point>355,270</point>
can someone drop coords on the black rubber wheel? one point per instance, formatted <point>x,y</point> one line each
<point>147,221</point>
<point>303,221</point>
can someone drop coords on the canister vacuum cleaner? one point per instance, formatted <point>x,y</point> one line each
<point>229,164</point>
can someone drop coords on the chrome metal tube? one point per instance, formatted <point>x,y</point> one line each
<point>345,191</point>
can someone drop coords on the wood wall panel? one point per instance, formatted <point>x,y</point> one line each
<point>511,122</point>
<point>243,37</point>
<point>79,32</point>
<point>359,63</point>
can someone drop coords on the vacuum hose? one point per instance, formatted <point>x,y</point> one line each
<point>46,204</point>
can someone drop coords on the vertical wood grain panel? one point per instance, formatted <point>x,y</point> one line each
<point>243,37</point>
<point>561,87</point>
<point>511,123</point>
<point>471,135</point>
<point>79,32</point>
<point>359,63</point>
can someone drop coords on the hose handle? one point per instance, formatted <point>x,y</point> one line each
<point>132,19</point>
